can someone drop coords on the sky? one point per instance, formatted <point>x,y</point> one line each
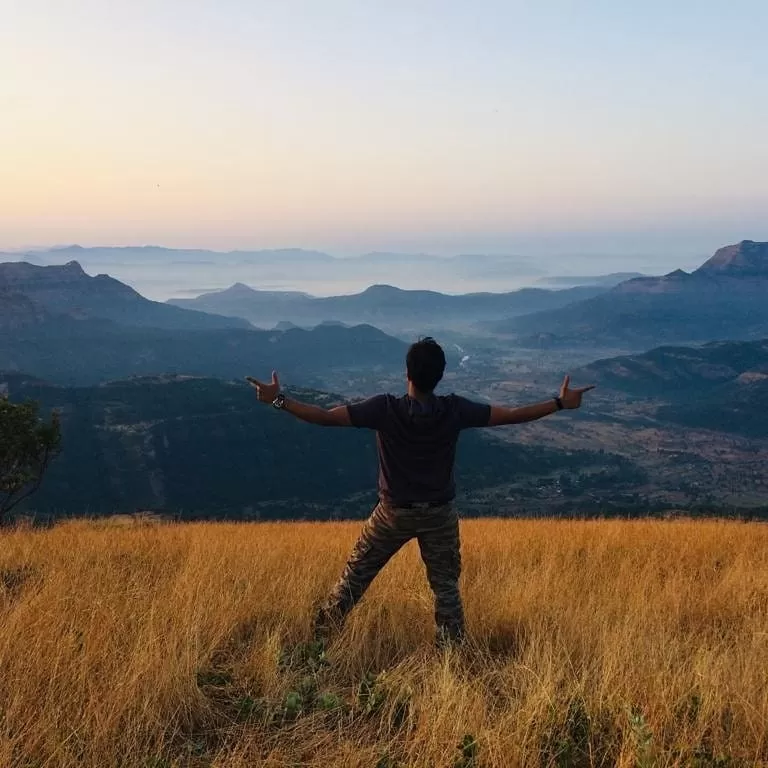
<point>553,128</point>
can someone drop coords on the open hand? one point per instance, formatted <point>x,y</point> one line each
<point>265,392</point>
<point>571,398</point>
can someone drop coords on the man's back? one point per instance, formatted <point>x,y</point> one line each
<point>417,443</point>
<point>417,436</point>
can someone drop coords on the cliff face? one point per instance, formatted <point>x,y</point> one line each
<point>746,259</point>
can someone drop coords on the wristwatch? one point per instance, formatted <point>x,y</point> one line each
<point>559,404</point>
<point>279,402</point>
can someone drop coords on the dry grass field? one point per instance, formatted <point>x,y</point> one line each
<point>592,643</point>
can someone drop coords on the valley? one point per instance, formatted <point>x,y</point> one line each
<point>680,427</point>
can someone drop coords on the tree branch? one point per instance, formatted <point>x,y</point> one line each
<point>7,505</point>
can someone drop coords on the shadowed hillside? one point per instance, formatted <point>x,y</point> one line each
<point>673,372</point>
<point>723,299</point>
<point>206,448</point>
<point>88,351</point>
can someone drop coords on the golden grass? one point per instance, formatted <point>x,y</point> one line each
<point>592,643</point>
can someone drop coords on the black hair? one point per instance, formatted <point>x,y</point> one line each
<point>425,363</point>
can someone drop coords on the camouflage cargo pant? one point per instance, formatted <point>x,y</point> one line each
<point>384,533</point>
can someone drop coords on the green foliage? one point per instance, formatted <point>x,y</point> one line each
<point>307,689</point>
<point>370,694</point>
<point>309,656</point>
<point>248,707</point>
<point>568,742</point>
<point>468,749</point>
<point>329,702</point>
<point>642,738</point>
<point>577,738</point>
<point>293,705</point>
<point>27,446</point>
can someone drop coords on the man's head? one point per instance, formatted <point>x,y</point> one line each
<point>425,364</point>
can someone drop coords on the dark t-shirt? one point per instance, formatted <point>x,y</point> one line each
<point>417,443</point>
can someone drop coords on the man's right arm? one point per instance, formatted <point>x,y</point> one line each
<point>370,413</point>
<point>312,414</point>
<point>501,415</point>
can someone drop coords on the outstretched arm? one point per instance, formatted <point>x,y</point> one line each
<point>568,398</point>
<point>312,414</point>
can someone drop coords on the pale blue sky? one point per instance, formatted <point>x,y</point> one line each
<point>555,127</point>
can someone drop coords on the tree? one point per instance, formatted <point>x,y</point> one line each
<point>28,444</point>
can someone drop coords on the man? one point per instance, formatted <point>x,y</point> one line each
<point>416,436</point>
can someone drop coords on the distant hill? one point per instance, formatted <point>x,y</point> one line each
<point>571,281</point>
<point>737,407</point>
<point>680,373</point>
<point>153,255</point>
<point>724,299</point>
<point>35,294</point>
<point>746,259</point>
<point>284,325</point>
<point>88,351</point>
<point>721,386</point>
<point>204,447</point>
<point>384,306</point>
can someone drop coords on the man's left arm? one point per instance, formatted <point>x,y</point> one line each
<point>311,414</point>
<point>568,399</point>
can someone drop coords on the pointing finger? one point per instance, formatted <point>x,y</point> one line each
<point>253,382</point>
<point>582,390</point>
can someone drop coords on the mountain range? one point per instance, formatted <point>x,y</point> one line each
<point>59,323</point>
<point>676,372</point>
<point>34,295</point>
<point>161,273</point>
<point>392,309</point>
<point>725,298</point>
<point>158,255</point>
